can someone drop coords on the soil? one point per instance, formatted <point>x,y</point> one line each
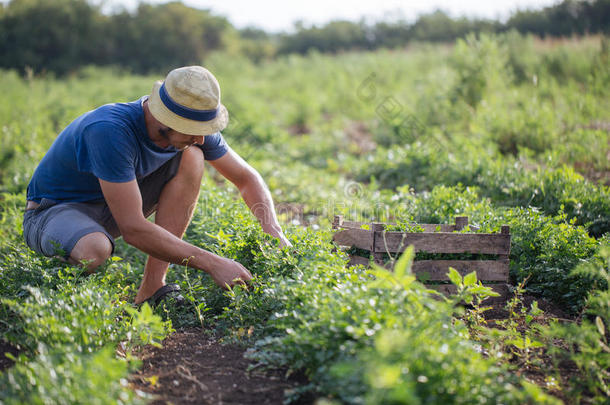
<point>537,371</point>
<point>498,311</point>
<point>299,129</point>
<point>291,212</point>
<point>5,362</point>
<point>196,368</point>
<point>360,137</point>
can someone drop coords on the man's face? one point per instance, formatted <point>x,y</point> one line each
<point>179,140</point>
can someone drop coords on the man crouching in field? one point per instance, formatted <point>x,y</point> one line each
<point>114,166</point>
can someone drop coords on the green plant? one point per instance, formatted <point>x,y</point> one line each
<point>517,335</point>
<point>69,378</point>
<point>587,344</point>
<point>82,318</point>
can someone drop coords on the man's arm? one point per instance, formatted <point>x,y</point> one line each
<point>125,203</point>
<point>253,190</point>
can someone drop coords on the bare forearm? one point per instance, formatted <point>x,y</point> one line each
<point>257,197</point>
<point>253,190</point>
<point>125,204</point>
<point>163,245</point>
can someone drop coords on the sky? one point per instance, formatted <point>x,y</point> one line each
<point>278,15</point>
<point>275,16</point>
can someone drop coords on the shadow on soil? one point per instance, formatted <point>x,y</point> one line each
<point>195,368</point>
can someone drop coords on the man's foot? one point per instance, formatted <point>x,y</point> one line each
<point>166,293</point>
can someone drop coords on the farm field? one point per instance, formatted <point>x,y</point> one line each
<point>506,130</point>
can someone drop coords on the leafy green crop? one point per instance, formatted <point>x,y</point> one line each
<point>73,378</point>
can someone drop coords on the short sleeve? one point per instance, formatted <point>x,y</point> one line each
<point>107,151</point>
<point>214,146</point>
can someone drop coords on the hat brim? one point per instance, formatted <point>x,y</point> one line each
<point>185,125</point>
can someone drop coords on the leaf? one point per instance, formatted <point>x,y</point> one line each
<point>383,277</point>
<point>483,291</point>
<point>153,380</point>
<point>403,265</point>
<point>423,277</point>
<point>518,343</point>
<point>406,281</point>
<point>470,279</point>
<point>454,276</point>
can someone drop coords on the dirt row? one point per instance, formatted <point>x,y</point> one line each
<point>196,368</point>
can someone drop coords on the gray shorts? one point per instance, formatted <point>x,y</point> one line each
<point>53,228</point>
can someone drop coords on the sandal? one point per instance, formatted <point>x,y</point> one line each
<point>164,293</point>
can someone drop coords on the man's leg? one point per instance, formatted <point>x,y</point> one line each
<point>93,249</point>
<point>69,231</point>
<point>175,209</point>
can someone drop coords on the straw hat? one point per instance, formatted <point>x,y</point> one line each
<point>189,102</point>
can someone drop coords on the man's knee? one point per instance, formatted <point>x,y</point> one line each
<point>93,249</point>
<point>192,163</point>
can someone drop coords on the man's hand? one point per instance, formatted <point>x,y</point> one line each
<point>284,242</point>
<point>230,273</point>
<point>276,232</point>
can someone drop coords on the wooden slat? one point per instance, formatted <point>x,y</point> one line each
<point>337,221</point>
<point>360,238</point>
<point>487,270</point>
<point>443,227</point>
<point>352,224</point>
<point>356,260</point>
<point>483,243</point>
<point>460,223</point>
<point>425,227</point>
<point>436,270</point>
<point>377,229</point>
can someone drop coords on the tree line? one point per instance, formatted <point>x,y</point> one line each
<point>568,18</point>
<point>62,35</point>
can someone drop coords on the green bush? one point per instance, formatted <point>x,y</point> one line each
<point>544,250</point>
<point>587,344</point>
<point>84,318</point>
<point>481,67</point>
<point>505,182</point>
<point>68,378</point>
<point>450,370</point>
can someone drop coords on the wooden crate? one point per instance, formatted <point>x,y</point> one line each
<point>436,238</point>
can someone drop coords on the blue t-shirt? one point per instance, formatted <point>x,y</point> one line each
<point>109,143</point>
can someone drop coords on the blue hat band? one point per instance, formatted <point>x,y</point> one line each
<point>185,112</point>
